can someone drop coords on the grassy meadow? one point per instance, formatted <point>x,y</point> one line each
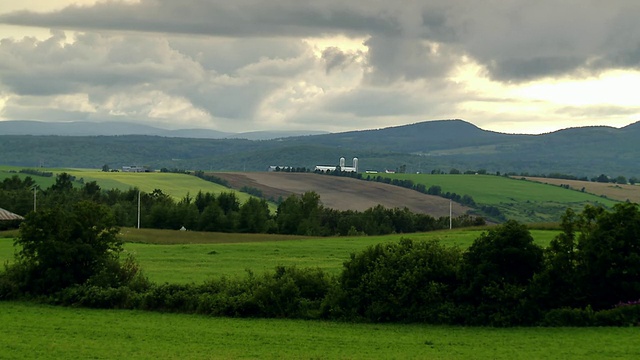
<point>175,185</point>
<point>45,332</point>
<point>492,190</point>
<point>184,257</point>
<point>517,199</point>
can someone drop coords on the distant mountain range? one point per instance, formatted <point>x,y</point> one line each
<point>422,147</point>
<point>78,128</point>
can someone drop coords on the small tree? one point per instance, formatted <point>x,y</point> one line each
<point>621,180</point>
<point>62,247</point>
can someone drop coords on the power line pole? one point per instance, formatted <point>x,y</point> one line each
<point>138,209</point>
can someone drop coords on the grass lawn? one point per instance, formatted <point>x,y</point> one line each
<point>45,332</point>
<point>183,257</point>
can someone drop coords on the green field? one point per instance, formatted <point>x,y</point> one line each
<point>42,181</point>
<point>183,257</point>
<point>520,200</point>
<point>492,190</point>
<point>45,332</point>
<point>175,185</point>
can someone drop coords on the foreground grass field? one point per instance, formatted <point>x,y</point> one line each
<point>44,332</point>
<point>184,257</point>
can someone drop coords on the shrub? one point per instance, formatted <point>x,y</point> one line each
<point>495,275</point>
<point>569,317</point>
<point>61,248</point>
<point>404,281</point>
<point>291,292</point>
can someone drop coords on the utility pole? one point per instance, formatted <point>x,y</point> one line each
<point>35,190</point>
<point>138,209</point>
<point>450,214</point>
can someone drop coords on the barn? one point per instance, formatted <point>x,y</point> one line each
<point>6,215</point>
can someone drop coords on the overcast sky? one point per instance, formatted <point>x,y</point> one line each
<point>516,66</point>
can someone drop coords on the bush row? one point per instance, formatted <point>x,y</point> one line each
<point>290,292</point>
<point>588,276</point>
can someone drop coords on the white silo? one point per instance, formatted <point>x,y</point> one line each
<point>355,164</point>
<point>342,162</point>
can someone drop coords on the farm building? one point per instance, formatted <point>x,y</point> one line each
<point>279,168</point>
<point>343,167</point>
<point>134,168</point>
<point>6,215</point>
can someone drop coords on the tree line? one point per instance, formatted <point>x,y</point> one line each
<point>298,214</point>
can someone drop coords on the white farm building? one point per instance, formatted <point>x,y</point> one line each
<point>342,166</point>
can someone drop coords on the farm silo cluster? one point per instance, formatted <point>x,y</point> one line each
<point>343,167</point>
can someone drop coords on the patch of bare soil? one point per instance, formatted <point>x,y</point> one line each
<point>611,191</point>
<point>342,193</point>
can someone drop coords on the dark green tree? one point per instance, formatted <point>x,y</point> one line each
<point>212,218</point>
<point>254,216</point>
<point>404,281</point>
<point>16,195</point>
<point>64,182</point>
<point>558,285</point>
<point>289,215</point>
<point>60,247</point>
<point>495,274</point>
<point>609,255</point>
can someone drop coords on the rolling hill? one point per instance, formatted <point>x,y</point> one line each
<point>420,147</point>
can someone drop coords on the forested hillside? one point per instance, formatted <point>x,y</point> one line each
<point>421,147</point>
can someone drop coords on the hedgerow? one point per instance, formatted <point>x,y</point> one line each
<point>503,279</point>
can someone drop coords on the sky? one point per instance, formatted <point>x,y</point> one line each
<point>513,66</point>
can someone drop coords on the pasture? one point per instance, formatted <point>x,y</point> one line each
<point>491,190</point>
<point>175,185</point>
<point>520,200</point>
<point>45,332</point>
<point>185,257</point>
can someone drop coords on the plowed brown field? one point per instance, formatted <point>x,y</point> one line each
<point>342,193</point>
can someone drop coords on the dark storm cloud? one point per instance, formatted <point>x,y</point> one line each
<point>335,58</point>
<point>238,18</point>
<point>244,62</point>
<point>515,40</point>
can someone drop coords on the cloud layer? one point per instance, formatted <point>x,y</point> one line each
<point>333,65</point>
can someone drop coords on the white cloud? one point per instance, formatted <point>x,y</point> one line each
<point>248,65</point>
